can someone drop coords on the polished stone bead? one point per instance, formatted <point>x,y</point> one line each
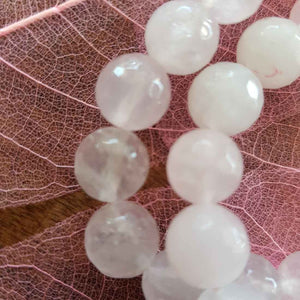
<point>111,164</point>
<point>182,36</point>
<point>204,165</point>
<point>232,11</point>
<point>133,91</point>
<point>227,97</point>
<point>270,47</point>
<point>295,13</point>
<point>207,245</point>
<point>160,282</point>
<point>289,273</point>
<point>121,239</point>
<point>234,291</point>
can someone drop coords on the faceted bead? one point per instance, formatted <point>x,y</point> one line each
<point>227,97</point>
<point>232,11</point>
<point>270,47</point>
<point>258,281</point>
<point>182,36</point>
<point>289,273</point>
<point>204,165</point>
<point>207,245</point>
<point>234,291</point>
<point>261,275</point>
<point>121,239</point>
<point>295,13</point>
<point>160,281</point>
<point>111,164</point>
<point>133,91</point>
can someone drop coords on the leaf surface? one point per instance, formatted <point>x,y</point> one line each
<point>51,53</point>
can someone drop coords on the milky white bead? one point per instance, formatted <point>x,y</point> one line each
<point>133,92</point>
<point>258,281</point>
<point>207,245</point>
<point>226,97</point>
<point>289,272</point>
<point>204,165</point>
<point>181,36</point>
<point>234,291</point>
<point>121,239</point>
<point>232,11</point>
<point>261,275</point>
<point>160,282</point>
<point>295,13</point>
<point>271,49</point>
<point>111,164</point>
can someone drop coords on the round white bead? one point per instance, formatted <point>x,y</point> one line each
<point>227,97</point>
<point>234,291</point>
<point>262,275</point>
<point>295,13</point>
<point>121,239</point>
<point>182,36</point>
<point>160,282</point>
<point>111,164</point>
<point>207,245</point>
<point>289,272</point>
<point>270,47</point>
<point>204,165</point>
<point>259,281</point>
<point>133,92</point>
<point>232,11</point>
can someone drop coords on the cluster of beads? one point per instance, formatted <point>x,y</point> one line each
<point>207,253</point>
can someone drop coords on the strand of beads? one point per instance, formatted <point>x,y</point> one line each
<point>207,246</point>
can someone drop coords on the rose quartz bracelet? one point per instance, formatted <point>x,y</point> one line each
<point>207,250</point>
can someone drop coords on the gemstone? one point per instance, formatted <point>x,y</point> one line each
<point>182,36</point>
<point>289,273</point>
<point>227,97</point>
<point>270,48</point>
<point>204,165</point>
<point>133,91</point>
<point>121,239</point>
<point>207,245</point>
<point>232,11</point>
<point>160,281</point>
<point>111,164</point>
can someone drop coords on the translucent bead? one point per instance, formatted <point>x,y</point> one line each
<point>133,92</point>
<point>289,272</point>
<point>295,13</point>
<point>121,239</point>
<point>160,282</point>
<point>111,164</point>
<point>270,47</point>
<point>232,11</point>
<point>207,245</point>
<point>258,281</point>
<point>234,291</point>
<point>204,165</point>
<point>181,36</point>
<point>227,97</point>
<point>261,275</point>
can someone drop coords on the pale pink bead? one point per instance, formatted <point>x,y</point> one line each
<point>289,274</point>
<point>111,164</point>
<point>204,165</point>
<point>182,36</point>
<point>270,47</point>
<point>295,13</point>
<point>227,97</point>
<point>207,245</point>
<point>232,11</point>
<point>133,91</point>
<point>121,239</point>
<point>160,282</point>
